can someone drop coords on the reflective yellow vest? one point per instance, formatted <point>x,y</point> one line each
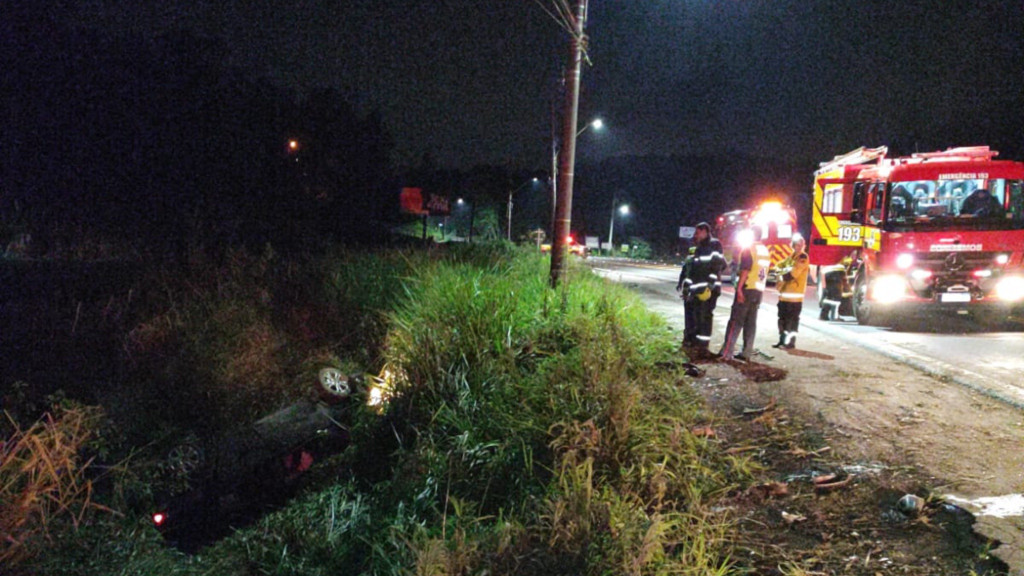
<point>794,278</point>
<point>757,279</point>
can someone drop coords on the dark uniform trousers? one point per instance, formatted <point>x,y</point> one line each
<point>743,317</point>
<point>789,320</point>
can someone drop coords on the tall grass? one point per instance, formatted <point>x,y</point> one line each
<point>533,431</point>
<point>547,407</point>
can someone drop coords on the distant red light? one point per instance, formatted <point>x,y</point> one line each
<point>570,239</point>
<point>159,519</point>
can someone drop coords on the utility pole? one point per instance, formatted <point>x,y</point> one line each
<point>554,164</point>
<point>567,154</point>
<point>611,229</point>
<point>508,217</point>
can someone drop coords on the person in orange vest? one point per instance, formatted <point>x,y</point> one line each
<point>750,285</point>
<point>791,293</point>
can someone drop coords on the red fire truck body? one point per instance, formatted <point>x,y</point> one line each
<point>937,231</point>
<point>777,224</point>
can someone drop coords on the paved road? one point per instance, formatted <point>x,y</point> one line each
<point>954,347</point>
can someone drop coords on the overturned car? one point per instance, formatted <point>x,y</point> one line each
<point>235,478</point>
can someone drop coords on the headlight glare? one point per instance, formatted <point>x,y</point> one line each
<point>1011,289</point>
<point>904,261</point>
<point>888,289</point>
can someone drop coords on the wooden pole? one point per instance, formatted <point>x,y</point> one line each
<point>567,154</point>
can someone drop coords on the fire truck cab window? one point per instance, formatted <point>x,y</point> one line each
<point>875,200</point>
<point>901,204</point>
<point>857,212</point>
<point>993,202</point>
<point>1015,190</point>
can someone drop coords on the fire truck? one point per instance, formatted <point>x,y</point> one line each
<point>777,223</point>
<point>930,232</point>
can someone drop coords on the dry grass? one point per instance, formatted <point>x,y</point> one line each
<point>43,479</point>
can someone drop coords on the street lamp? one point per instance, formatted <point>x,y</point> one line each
<point>597,124</point>
<point>508,218</point>
<point>624,210</point>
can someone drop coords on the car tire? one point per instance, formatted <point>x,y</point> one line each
<point>333,385</point>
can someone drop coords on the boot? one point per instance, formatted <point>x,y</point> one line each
<point>791,341</point>
<point>781,343</point>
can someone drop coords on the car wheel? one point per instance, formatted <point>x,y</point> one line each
<point>185,458</point>
<point>334,385</point>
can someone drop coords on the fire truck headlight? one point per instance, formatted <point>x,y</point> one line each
<point>904,261</point>
<point>889,289</point>
<point>1011,289</point>
<point>1002,259</point>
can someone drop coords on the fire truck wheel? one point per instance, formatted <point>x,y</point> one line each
<point>866,313</point>
<point>861,307</point>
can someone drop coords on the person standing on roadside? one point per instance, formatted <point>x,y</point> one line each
<point>683,288</point>
<point>791,293</point>
<point>702,285</point>
<point>750,285</point>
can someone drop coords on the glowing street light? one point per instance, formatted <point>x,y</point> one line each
<point>597,124</point>
<point>623,210</point>
<point>508,217</point>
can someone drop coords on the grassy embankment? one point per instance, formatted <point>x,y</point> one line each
<point>531,431</point>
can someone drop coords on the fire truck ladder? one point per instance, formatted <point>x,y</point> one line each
<point>962,153</point>
<point>861,155</point>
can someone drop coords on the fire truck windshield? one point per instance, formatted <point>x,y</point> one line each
<point>995,204</point>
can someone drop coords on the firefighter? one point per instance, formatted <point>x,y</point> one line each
<point>750,285</point>
<point>793,271</point>
<point>683,288</point>
<point>701,285</point>
<point>981,202</point>
<point>838,286</point>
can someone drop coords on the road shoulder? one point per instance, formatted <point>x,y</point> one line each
<point>876,409</point>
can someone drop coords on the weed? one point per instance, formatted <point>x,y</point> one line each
<point>44,480</point>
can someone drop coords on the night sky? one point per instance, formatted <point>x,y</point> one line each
<point>472,81</point>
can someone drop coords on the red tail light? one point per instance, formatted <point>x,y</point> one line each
<point>159,518</point>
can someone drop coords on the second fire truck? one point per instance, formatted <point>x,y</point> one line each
<point>777,224</point>
<point>936,231</point>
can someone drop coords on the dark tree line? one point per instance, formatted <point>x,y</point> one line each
<point>159,144</point>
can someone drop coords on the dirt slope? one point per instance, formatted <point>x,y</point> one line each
<point>919,433</point>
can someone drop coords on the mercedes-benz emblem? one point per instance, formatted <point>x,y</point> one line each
<point>955,261</point>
